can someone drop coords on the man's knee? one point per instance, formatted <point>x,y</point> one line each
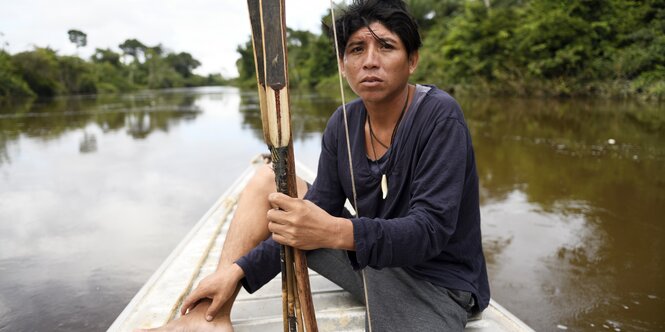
<point>263,180</point>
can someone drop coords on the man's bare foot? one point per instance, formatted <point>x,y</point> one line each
<point>195,321</point>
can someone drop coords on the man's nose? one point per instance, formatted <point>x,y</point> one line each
<point>371,59</point>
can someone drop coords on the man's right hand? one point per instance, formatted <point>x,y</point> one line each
<point>218,287</point>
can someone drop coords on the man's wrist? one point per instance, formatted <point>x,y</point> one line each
<point>233,270</point>
<point>343,238</point>
<point>236,271</point>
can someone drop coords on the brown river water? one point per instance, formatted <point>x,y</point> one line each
<point>96,191</point>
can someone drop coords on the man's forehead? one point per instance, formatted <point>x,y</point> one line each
<point>379,30</point>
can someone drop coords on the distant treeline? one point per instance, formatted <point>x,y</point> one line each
<point>42,72</point>
<point>609,48</point>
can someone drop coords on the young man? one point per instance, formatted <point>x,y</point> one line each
<point>418,234</point>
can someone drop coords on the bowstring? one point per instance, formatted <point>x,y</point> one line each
<point>348,149</point>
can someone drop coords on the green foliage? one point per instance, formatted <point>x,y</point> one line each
<point>311,60</point>
<point>566,40</point>
<point>76,75</point>
<point>211,80</point>
<point>155,72</point>
<point>11,83</point>
<point>133,48</point>
<point>39,68</point>
<point>106,56</point>
<point>245,65</point>
<point>183,63</point>
<point>515,47</point>
<point>44,73</point>
<point>110,79</point>
<point>79,38</point>
<point>543,47</point>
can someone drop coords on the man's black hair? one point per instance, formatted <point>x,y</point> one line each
<point>393,14</point>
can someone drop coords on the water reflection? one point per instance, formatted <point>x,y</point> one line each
<point>139,115</point>
<point>310,113</point>
<point>573,197</point>
<point>88,143</point>
<point>94,193</point>
<point>598,128</point>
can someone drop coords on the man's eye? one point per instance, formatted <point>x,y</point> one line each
<point>387,46</point>
<point>356,49</point>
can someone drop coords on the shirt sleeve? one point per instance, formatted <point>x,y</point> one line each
<point>260,265</point>
<point>436,192</point>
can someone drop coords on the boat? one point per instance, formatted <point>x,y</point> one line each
<point>196,256</point>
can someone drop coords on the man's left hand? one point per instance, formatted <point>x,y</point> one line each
<point>302,224</point>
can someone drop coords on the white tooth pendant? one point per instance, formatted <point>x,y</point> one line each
<point>384,186</point>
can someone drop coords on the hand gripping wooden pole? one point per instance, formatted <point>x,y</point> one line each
<point>269,42</point>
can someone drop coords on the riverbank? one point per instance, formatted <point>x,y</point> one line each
<point>44,73</point>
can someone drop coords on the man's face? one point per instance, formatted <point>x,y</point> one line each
<point>377,70</point>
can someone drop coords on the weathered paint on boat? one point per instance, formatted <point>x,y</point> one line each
<point>196,256</point>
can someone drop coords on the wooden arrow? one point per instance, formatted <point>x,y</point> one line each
<point>269,42</point>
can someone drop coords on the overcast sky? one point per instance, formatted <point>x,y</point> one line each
<point>208,29</point>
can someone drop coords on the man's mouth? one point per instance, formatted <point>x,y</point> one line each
<point>371,79</point>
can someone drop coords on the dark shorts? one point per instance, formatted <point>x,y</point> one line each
<point>397,301</point>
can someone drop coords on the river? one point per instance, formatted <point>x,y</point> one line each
<point>96,191</point>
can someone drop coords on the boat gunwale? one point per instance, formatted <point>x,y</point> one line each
<point>231,193</point>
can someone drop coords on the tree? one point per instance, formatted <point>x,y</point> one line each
<point>159,74</point>
<point>245,64</point>
<point>183,63</point>
<point>154,52</point>
<point>133,48</point>
<point>11,82</point>
<point>79,38</point>
<point>3,44</point>
<point>434,12</point>
<point>320,66</point>
<point>40,70</point>
<point>106,55</point>
<point>76,75</point>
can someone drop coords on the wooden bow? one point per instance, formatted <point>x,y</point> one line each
<point>269,43</point>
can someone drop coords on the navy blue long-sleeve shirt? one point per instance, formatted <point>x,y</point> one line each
<point>429,224</point>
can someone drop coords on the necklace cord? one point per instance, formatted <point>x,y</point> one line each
<point>371,132</point>
<point>372,137</point>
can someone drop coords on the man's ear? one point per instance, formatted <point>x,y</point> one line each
<point>342,68</point>
<point>413,61</point>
